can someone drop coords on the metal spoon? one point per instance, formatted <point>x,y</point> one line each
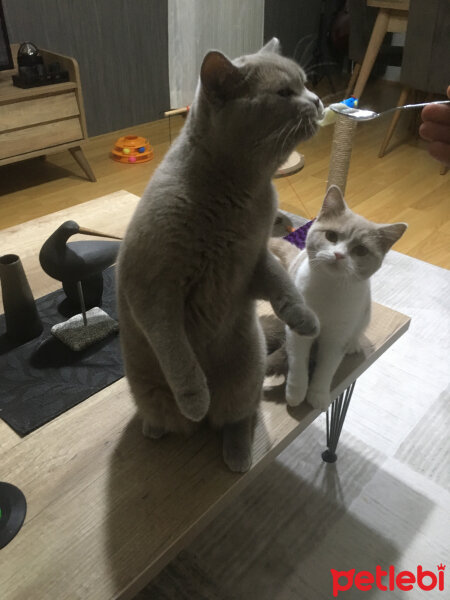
<point>360,114</point>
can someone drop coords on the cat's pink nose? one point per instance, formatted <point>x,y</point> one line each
<point>339,255</point>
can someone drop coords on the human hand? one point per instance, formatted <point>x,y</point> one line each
<point>435,129</point>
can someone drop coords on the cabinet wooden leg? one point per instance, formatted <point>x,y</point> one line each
<point>78,154</point>
<point>376,39</point>
<point>352,80</point>
<point>387,138</point>
<point>414,119</point>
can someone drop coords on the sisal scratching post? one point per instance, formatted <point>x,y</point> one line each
<point>341,151</point>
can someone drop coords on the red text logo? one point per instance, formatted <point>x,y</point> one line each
<point>388,580</point>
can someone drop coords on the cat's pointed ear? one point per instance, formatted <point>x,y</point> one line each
<point>389,234</point>
<point>333,203</point>
<point>221,80</point>
<point>273,46</point>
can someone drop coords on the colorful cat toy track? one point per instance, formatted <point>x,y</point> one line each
<point>132,149</point>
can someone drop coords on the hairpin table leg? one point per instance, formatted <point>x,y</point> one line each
<point>335,420</point>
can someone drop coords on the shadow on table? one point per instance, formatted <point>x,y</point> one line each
<point>284,516</point>
<point>295,522</point>
<point>51,353</point>
<point>157,485</point>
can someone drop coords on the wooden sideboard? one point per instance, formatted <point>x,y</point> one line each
<point>43,120</point>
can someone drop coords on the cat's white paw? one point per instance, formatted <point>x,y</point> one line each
<point>319,399</point>
<point>302,320</point>
<point>354,347</point>
<point>193,404</point>
<point>295,395</point>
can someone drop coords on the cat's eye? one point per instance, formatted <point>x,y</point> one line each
<point>331,236</point>
<point>286,92</point>
<point>360,250</point>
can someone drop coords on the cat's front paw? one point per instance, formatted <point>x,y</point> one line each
<point>354,347</point>
<point>302,320</point>
<point>151,432</point>
<point>319,399</point>
<point>238,460</point>
<point>295,394</point>
<point>193,404</point>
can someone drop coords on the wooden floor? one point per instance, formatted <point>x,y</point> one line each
<point>403,186</point>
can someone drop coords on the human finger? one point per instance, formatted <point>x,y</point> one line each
<point>440,152</point>
<point>439,113</point>
<point>435,132</point>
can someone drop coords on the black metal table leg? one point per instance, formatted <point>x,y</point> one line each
<point>335,420</point>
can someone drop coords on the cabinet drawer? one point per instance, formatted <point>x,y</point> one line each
<point>38,137</point>
<point>37,111</point>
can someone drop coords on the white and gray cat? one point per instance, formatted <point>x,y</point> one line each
<point>343,250</point>
<point>195,258</point>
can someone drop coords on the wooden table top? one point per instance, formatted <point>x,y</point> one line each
<point>107,508</point>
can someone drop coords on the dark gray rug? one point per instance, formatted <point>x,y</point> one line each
<point>43,378</point>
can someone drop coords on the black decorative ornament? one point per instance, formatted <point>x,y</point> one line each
<point>32,71</point>
<point>78,262</point>
<point>21,316</point>
<point>13,508</point>
<point>79,266</point>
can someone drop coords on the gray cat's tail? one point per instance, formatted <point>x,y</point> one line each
<point>274,332</point>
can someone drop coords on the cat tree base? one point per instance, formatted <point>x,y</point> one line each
<point>293,164</point>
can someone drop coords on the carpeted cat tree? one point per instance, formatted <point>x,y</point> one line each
<point>341,151</point>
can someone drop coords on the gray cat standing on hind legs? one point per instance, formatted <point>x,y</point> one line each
<point>194,259</point>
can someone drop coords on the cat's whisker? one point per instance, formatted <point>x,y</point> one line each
<point>293,131</point>
<point>282,134</point>
<point>299,124</point>
<point>286,138</point>
<point>276,134</point>
<point>281,138</point>
<point>316,262</point>
<point>310,70</point>
<point>310,41</point>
